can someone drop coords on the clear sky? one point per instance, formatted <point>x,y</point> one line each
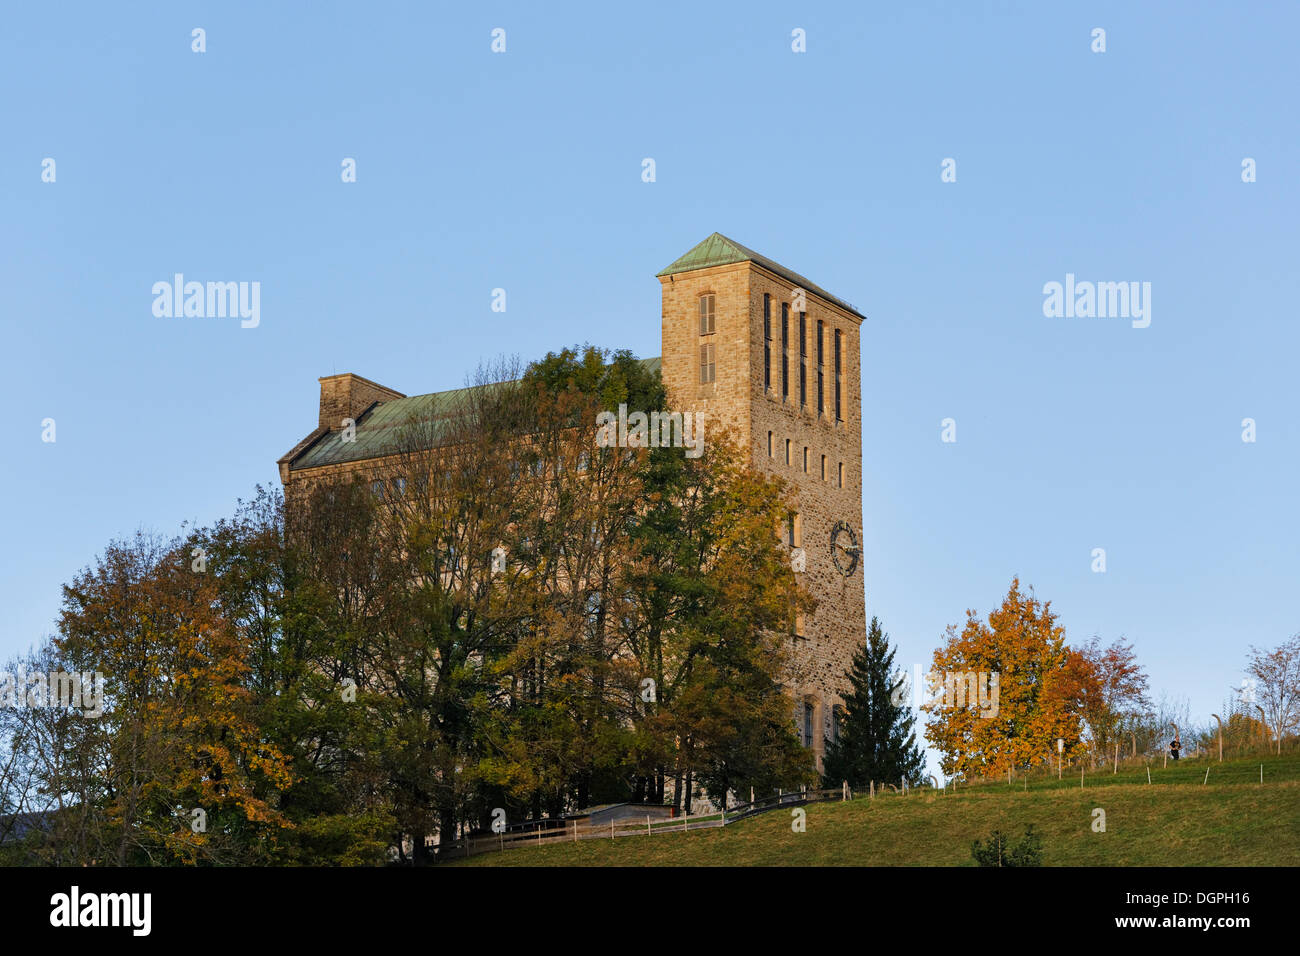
<point>522,171</point>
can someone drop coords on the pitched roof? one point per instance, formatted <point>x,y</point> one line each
<point>718,250</point>
<point>379,430</point>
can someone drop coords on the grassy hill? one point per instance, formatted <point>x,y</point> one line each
<point>1177,820</point>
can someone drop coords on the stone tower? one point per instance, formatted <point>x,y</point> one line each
<point>752,343</point>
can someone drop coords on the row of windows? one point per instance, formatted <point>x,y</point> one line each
<point>806,731</point>
<point>838,353</point>
<point>709,360</point>
<point>790,452</point>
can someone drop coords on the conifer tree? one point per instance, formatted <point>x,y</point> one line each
<point>876,740</point>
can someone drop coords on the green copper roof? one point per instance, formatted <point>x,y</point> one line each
<point>379,431</point>
<point>718,250</point>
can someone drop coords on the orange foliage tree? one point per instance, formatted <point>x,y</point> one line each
<point>1043,688</point>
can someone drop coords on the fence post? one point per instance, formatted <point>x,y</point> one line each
<point>1207,777</point>
<point>647,825</point>
<point>611,829</point>
<point>1148,774</point>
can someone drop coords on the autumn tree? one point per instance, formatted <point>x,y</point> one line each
<point>1277,685</point>
<point>178,733</point>
<point>1114,711</point>
<point>1042,689</point>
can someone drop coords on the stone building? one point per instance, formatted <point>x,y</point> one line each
<point>748,342</point>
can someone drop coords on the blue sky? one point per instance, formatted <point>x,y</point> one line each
<point>522,171</point>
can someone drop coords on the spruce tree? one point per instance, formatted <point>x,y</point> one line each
<point>876,741</point>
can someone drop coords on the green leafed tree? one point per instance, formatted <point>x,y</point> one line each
<point>877,740</point>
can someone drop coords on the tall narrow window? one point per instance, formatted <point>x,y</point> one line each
<point>787,451</point>
<point>823,465</point>
<point>805,459</point>
<point>803,360</point>
<point>708,364</point>
<point>707,324</point>
<point>807,723</point>
<point>769,445</point>
<point>767,342</point>
<point>785,351</point>
<point>841,481</point>
<point>821,362</point>
<point>839,408</point>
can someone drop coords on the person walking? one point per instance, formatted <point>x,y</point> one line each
<point>1174,746</point>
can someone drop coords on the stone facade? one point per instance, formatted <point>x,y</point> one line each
<point>823,470</point>
<point>747,392</point>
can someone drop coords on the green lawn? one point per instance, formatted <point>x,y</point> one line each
<point>1176,821</point>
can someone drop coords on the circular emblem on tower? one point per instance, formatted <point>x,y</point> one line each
<point>844,548</point>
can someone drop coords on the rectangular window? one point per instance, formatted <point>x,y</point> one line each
<point>706,315</point>
<point>794,530</point>
<point>769,445</point>
<point>821,362</point>
<point>807,723</point>
<point>841,483</point>
<point>839,408</point>
<point>823,467</point>
<point>805,459</point>
<point>785,351</point>
<point>787,451</point>
<point>767,342</point>
<point>377,489</point>
<point>803,359</point>
<point>708,364</point>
